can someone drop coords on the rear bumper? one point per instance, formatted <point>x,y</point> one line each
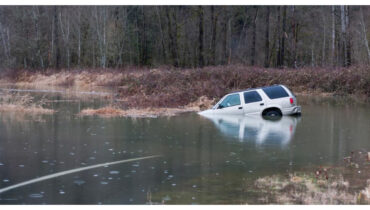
<point>295,110</point>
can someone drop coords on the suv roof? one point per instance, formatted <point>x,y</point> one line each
<point>254,88</point>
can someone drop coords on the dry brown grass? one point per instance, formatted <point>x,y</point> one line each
<point>81,79</point>
<point>20,108</point>
<point>202,103</point>
<point>326,185</point>
<point>22,104</point>
<point>305,189</point>
<point>112,111</point>
<point>105,111</point>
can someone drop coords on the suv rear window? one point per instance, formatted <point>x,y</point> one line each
<point>251,96</point>
<point>274,92</point>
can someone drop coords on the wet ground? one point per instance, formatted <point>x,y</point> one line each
<point>203,160</point>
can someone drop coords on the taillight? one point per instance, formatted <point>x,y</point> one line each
<point>291,101</point>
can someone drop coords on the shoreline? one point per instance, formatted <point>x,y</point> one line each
<point>167,91</point>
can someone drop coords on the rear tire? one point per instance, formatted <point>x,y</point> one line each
<point>273,113</point>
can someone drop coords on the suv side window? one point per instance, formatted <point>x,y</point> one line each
<point>274,92</point>
<point>251,96</point>
<point>231,100</point>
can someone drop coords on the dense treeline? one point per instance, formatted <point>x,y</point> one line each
<point>41,37</point>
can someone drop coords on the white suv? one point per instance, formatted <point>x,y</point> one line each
<point>276,100</point>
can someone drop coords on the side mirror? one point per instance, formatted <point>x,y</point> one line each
<point>220,106</point>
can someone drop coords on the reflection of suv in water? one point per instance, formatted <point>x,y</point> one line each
<point>273,100</point>
<point>256,128</point>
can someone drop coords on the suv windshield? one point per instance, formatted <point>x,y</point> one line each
<point>274,92</point>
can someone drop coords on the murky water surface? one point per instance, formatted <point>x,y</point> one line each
<point>204,160</point>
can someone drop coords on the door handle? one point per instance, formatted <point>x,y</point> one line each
<point>240,108</point>
<point>261,104</point>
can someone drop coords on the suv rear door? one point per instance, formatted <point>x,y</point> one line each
<point>253,103</point>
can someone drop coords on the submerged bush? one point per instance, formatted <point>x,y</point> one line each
<point>11,102</point>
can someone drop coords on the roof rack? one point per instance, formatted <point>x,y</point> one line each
<point>254,88</point>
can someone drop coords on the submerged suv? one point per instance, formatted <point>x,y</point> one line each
<point>276,100</point>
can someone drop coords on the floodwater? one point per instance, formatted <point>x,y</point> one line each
<point>203,160</point>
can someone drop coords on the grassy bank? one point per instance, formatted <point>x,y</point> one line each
<point>167,87</point>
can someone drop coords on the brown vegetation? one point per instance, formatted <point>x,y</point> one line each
<point>146,112</point>
<point>85,78</point>
<point>111,111</point>
<point>180,87</point>
<point>326,185</point>
<point>172,88</point>
<point>305,189</point>
<point>22,104</point>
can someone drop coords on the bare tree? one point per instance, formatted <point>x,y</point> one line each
<point>267,37</point>
<point>323,56</point>
<point>224,38</point>
<point>172,34</point>
<point>254,31</point>
<point>345,38</point>
<point>214,33</point>
<point>313,55</point>
<point>65,29</point>
<point>56,38</point>
<point>284,35</point>
<point>229,41</point>
<point>35,16</point>
<point>366,43</point>
<point>333,36</point>
<point>348,37</point>
<point>42,37</point>
<point>278,38</point>
<point>294,38</point>
<point>164,54</point>
<point>100,28</point>
<point>4,31</point>
<point>79,37</point>
<point>200,37</point>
